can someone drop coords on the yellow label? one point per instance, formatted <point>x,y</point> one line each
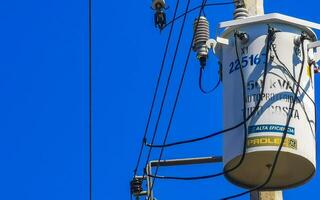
<point>271,141</point>
<point>309,71</point>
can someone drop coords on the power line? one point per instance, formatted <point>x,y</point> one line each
<point>197,7</point>
<point>181,82</point>
<point>156,90</point>
<point>165,92</point>
<point>90,94</point>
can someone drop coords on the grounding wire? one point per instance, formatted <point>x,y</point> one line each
<point>156,90</point>
<point>256,108</point>
<point>244,116</point>
<point>283,136</point>
<point>180,85</point>
<point>201,86</point>
<point>197,7</point>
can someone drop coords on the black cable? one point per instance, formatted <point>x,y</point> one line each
<point>283,136</point>
<point>268,43</point>
<point>303,90</point>
<point>200,83</point>
<point>290,75</point>
<point>90,93</point>
<point>256,108</point>
<point>197,7</point>
<point>166,91</point>
<point>180,86</point>
<point>156,90</point>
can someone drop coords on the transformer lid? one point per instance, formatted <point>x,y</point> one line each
<point>271,18</point>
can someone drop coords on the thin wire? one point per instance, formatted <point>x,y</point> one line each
<point>290,75</point>
<point>180,84</point>
<point>197,7</point>
<point>201,86</point>
<point>164,96</point>
<point>156,90</point>
<point>283,136</point>
<point>303,90</point>
<point>90,95</point>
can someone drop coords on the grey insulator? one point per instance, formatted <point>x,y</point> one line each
<point>201,36</point>
<point>241,11</point>
<point>201,32</point>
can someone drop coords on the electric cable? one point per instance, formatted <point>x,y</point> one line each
<point>156,90</point>
<point>284,132</point>
<point>90,93</point>
<point>201,86</point>
<point>290,74</point>
<point>301,104</point>
<point>197,7</point>
<point>303,90</point>
<point>256,108</point>
<point>286,69</point>
<point>268,43</point>
<point>166,89</point>
<point>180,85</point>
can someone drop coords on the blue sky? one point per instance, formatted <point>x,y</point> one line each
<point>44,87</point>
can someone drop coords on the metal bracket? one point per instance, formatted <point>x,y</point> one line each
<point>314,51</point>
<point>216,45</point>
<point>175,162</point>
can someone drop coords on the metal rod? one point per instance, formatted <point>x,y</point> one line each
<point>149,183</point>
<point>175,162</point>
<point>185,161</point>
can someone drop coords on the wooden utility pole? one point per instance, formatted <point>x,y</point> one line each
<point>255,7</point>
<point>271,195</point>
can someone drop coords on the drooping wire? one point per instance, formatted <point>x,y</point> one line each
<point>165,92</point>
<point>180,85</point>
<point>284,133</point>
<point>290,75</point>
<point>201,86</point>
<point>301,88</point>
<point>256,108</point>
<point>90,93</point>
<point>197,7</point>
<point>156,90</point>
<point>268,43</point>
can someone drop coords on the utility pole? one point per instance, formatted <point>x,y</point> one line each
<point>256,7</point>
<point>270,195</point>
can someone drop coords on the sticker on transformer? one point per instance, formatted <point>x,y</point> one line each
<point>270,128</point>
<point>271,141</point>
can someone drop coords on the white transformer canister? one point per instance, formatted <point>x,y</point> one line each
<point>297,160</point>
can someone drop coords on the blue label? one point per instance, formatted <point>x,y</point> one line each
<point>270,128</point>
<point>246,61</point>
